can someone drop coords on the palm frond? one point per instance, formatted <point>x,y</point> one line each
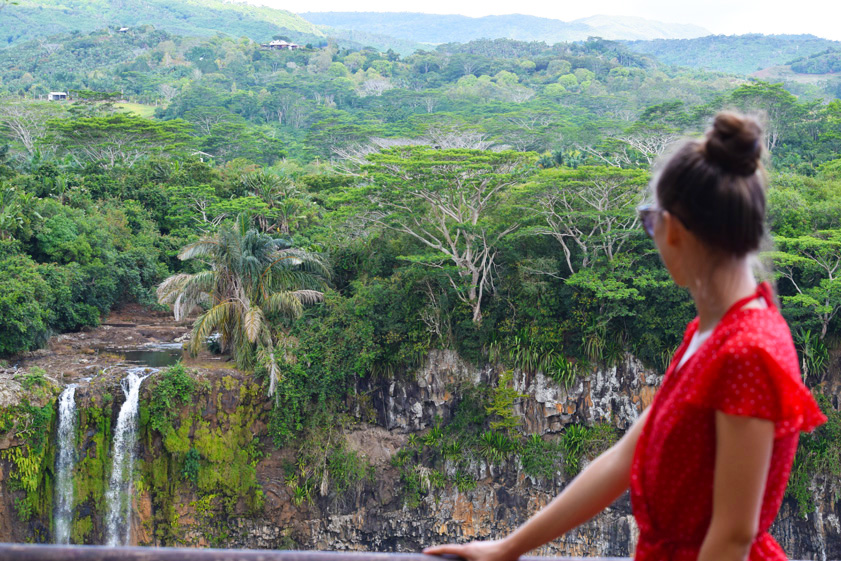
<point>204,281</point>
<point>204,246</point>
<point>291,280</point>
<point>300,259</point>
<point>208,321</point>
<point>307,297</point>
<point>253,323</point>
<point>170,287</point>
<point>285,303</point>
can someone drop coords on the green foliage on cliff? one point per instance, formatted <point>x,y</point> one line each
<point>585,442</point>
<point>32,459</point>
<point>173,389</point>
<point>215,459</point>
<point>428,462</point>
<point>90,476</point>
<point>501,405</point>
<point>819,454</point>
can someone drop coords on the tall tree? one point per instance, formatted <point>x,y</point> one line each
<point>589,211</point>
<point>447,200</point>
<point>119,138</point>
<point>812,264</point>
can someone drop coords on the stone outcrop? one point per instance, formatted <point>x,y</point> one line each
<point>373,515</point>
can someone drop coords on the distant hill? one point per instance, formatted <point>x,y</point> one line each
<point>30,19</point>
<point>736,54</point>
<point>435,28</point>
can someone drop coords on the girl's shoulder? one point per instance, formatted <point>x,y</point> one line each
<point>752,369</point>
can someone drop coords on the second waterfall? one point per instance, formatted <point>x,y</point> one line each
<point>65,460</point>
<point>118,496</point>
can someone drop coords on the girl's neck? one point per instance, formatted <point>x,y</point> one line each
<point>717,291</point>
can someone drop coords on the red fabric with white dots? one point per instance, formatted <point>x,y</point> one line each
<point>749,367</point>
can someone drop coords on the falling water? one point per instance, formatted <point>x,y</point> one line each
<point>64,464</point>
<point>118,496</point>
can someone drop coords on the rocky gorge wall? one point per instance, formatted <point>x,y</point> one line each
<point>238,490</point>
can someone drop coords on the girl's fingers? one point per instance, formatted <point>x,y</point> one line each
<point>451,549</point>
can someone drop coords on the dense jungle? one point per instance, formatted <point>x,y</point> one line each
<point>408,295</point>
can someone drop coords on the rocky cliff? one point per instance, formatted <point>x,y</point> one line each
<point>209,475</point>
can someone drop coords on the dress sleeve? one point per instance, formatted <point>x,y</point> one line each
<point>747,381</point>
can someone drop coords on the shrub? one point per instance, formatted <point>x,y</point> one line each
<point>541,458</point>
<point>174,387</point>
<point>190,471</point>
<point>581,442</point>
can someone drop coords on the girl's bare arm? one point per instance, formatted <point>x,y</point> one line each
<point>593,490</point>
<point>742,459</point>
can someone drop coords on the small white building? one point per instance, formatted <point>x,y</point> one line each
<point>282,45</point>
<point>123,30</point>
<point>57,96</point>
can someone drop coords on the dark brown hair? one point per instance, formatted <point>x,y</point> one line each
<point>716,186</point>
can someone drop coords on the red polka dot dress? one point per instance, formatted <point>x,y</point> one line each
<point>748,366</point>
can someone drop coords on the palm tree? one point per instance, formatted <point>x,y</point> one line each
<point>252,277</point>
<point>284,200</point>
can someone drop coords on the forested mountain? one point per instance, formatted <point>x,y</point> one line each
<point>525,95</point>
<point>736,54</point>
<point>436,28</point>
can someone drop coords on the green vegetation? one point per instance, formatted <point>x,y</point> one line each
<point>325,466</point>
<point>28,19</point>
<point>448,453</point>
<point>580,442</point>
<point>826,62</point>
<point>819,454</point>
<point>173,389</point>
<point>214,459</point>
<point>32,460</point>
<point>502,402</point>
<point>253,277</point>
<point>476,198</point>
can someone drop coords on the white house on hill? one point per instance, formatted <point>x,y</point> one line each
<point>282,45</point>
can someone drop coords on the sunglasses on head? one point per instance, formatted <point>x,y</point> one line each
<point>647,214</point>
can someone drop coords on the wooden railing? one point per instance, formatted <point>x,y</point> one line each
<point>26,552</point>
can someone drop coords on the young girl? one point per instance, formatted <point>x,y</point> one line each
<point>707,463</point>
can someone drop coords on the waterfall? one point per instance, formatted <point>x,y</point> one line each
<point>118,495</point>
<point>65,459</point>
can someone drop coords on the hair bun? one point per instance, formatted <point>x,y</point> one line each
<point>734,144</point>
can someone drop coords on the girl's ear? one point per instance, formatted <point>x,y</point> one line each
<point>675,231</point>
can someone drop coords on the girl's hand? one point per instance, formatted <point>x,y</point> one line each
<point>491,550</point>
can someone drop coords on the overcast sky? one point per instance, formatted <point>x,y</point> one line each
<point>818,17</point>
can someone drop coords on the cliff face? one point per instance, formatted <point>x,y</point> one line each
<point>246,493</point>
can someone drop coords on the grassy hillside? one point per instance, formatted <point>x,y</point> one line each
<point>30,19</point>
<point>737,54</point>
